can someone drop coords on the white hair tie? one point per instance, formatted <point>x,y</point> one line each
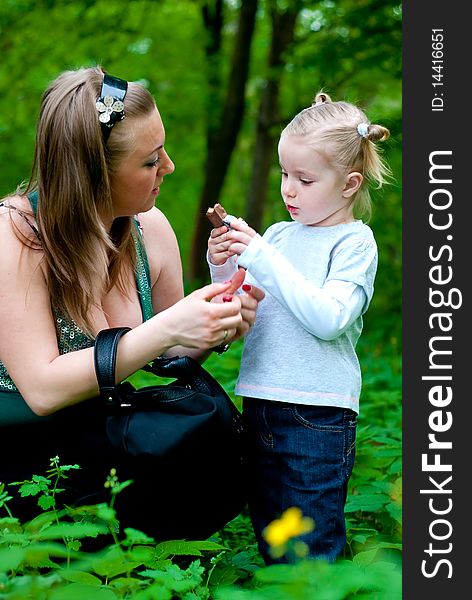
<point>363,129</point>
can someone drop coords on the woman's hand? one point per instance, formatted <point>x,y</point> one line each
<point>196,322</point>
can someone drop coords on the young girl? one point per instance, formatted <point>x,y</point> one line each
<point>300,375</point>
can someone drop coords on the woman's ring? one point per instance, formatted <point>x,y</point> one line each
<point>225,336</point>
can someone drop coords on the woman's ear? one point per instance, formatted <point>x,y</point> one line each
<point>352,183</point>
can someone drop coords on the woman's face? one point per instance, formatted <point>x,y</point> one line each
<point>137,180</point>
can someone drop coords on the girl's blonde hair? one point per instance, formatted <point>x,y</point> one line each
<point>71,172</point>
<point>343,134</point>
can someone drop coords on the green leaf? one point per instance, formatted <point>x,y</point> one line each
<point>4,497</point>
<point>10,523</point>
<point>80,577</point>
<point>186,548</point>
<point>244,560</point>
<point>223,574</point>
<point>36,551</point>
<point>395,511</point>
<point>277,574</point>
<point>41,521</point>
<point>366,502</point>
<point>74,545</point>
<point>362,536</point>
<point>143,554</point>
<point>101,511</point>
<point>195,568</point>
<point>125,583</point>
<point>113,563</point>
<point>152,573</point>
<point>72,530</point>
<point>11,558</point>
<point>134,536</point>
<point>119,487</point>
<point>390,545</point>
<point>202,594</point>
<point>64,468</point>
<point>154,592</point>
<point>46,502</point>
<point>362,559</point>
<point>396,467</point>
<point>39,479</point>
<point>30,489</point>
<point>14,537</point>
<point>80,591</point>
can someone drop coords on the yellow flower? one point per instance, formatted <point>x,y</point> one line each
<point>291,524</point>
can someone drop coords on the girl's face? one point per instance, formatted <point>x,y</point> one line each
<point>314,193</point>
<point>137,180</point>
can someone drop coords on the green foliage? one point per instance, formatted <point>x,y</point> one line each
<point>46,487</point>
<point>311,579</point>
<point>43,558</point>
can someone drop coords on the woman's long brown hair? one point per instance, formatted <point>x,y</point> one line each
<point>71,172</point>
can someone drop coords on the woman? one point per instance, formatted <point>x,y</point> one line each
<point>84,249</point>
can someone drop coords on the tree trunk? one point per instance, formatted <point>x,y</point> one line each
<point>283,26</point>
<point>222,137</point>
<point>212,13</point>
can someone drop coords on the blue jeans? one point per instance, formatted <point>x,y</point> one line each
<point>300,456</point>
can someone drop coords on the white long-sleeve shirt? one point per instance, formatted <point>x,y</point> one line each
<point>319,282</point>
<point>323,311</point>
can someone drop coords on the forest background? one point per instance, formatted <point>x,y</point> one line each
<point>227,75</point>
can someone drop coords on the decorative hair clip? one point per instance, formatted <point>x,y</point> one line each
<point>110,104</point>
<point>363,129</point>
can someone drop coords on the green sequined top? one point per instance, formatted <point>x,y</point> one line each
<point>69,336</point>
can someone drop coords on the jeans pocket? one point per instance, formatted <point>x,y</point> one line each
<point>337,428</point>
<point>322,418</point>
<point>257,421</point>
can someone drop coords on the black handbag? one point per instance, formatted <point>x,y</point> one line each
<point>182,444</point>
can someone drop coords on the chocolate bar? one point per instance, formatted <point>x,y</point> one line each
<point>217,215</point>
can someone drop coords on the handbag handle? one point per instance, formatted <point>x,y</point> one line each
<point>106,344</point>
<point>183,368</point>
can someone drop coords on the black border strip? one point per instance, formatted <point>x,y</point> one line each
<point>436,307</point>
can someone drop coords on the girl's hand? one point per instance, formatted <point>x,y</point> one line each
<point>218,245</point>
<point>239,236</point>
